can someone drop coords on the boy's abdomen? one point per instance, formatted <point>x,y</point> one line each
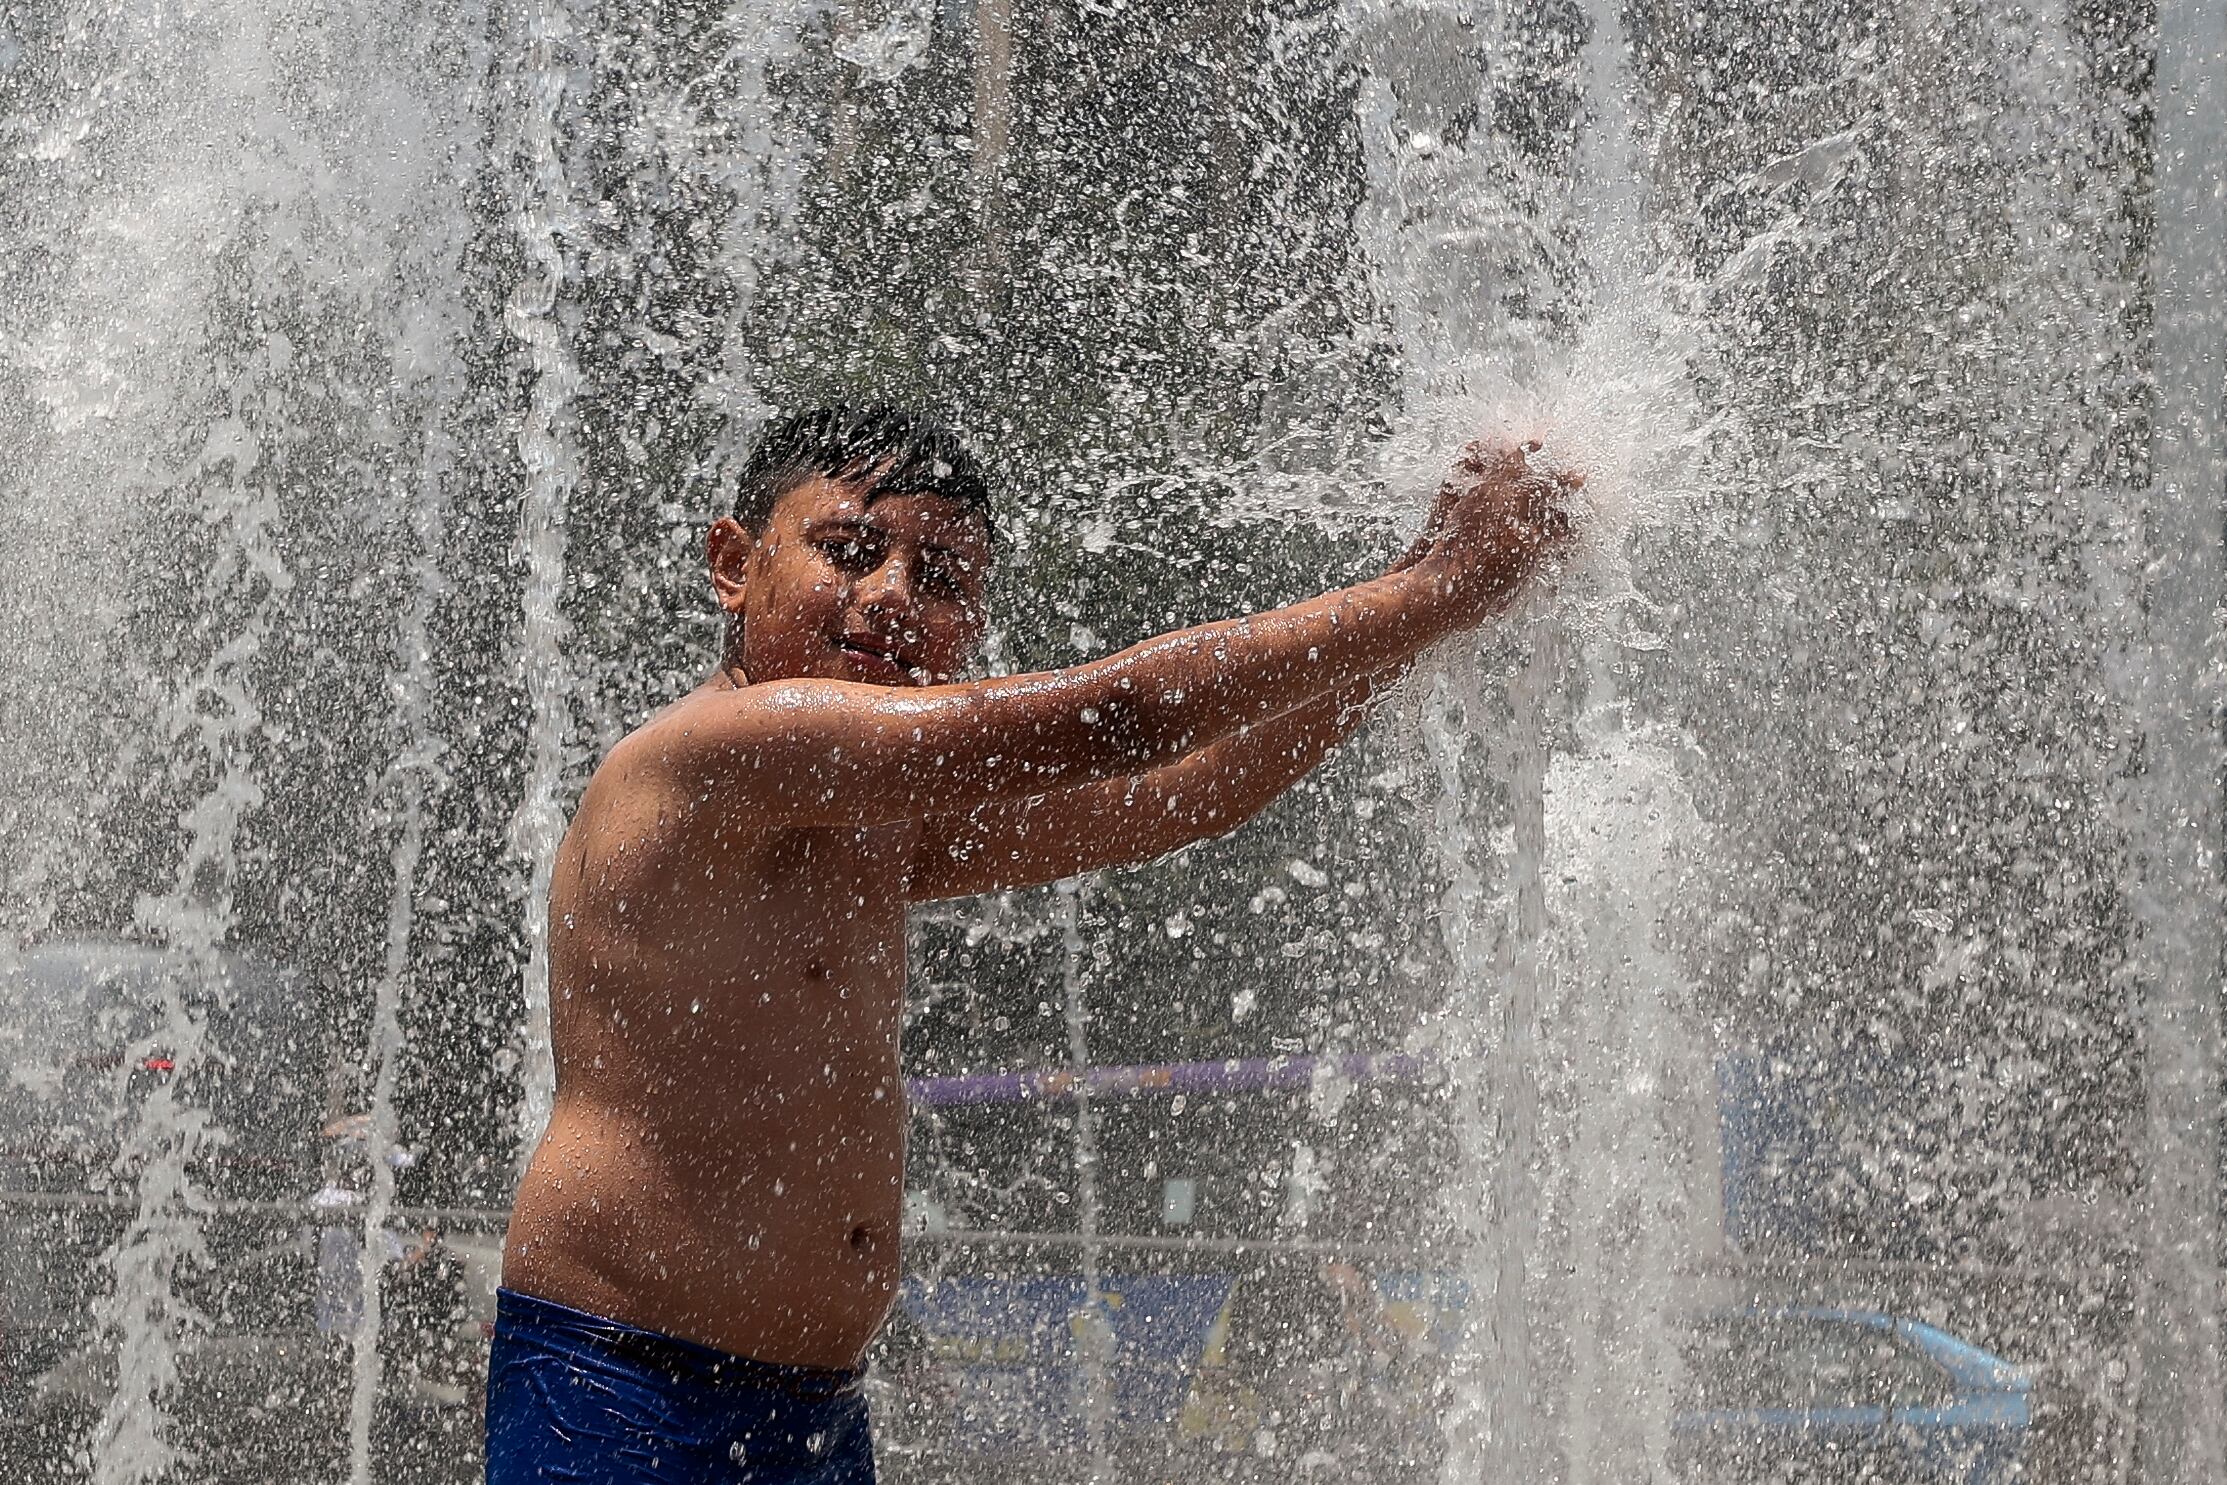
<point>770,1238</point>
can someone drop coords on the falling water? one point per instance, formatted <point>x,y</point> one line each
<point>1439,224</point>
<point>1517,1441</point>
<point>1619,838</point>
<point>1568,1139</point>
<point>2175,682</point>
<point>384,1054</point>
<point>215,712</point>
<point>545,448</point>
<point>430,383</point>
<point>1474,1429</point>
<point>1093,1333</point>
<point>196,155</point>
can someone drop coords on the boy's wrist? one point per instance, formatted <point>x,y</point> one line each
<point>1418,551</point>
<point>1461,592</point>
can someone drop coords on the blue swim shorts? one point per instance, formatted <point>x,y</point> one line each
<point>573,1398</point>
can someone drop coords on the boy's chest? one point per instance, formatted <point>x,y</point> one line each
<point>759,953</point>
<point>810,905</point>
<point>808,926</point>
<point>865,866</point>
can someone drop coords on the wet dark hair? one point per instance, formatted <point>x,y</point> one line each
<point>899,453</point>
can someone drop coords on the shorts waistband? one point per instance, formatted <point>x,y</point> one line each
<point>530,1317</point>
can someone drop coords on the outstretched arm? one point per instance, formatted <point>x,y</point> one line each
<point>1012,844</point>
<point>812,752</point>
<point>1128,821</point>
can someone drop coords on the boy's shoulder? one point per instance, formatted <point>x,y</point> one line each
<point>679,736</point>
<point>722,732</point>
<point>693,749</point>
<point>648,766</point>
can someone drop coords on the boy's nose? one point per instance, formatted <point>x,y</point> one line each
<point>888,586</point>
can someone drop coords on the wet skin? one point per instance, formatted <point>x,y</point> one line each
<point>725,1160</point>
<point>726,1157</point>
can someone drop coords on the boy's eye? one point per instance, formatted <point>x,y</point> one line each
<point>850,555</point>
<point>941,581</point>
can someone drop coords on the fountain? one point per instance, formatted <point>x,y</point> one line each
<point>1815,904</point>
<point>2172,675</point>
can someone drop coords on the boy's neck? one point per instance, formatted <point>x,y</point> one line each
<point>731,668</point>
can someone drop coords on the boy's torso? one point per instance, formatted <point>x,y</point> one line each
<point>725,1161</point>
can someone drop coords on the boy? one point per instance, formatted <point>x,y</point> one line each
<point>706,1238</point>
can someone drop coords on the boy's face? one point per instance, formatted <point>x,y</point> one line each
<point>887,591</point>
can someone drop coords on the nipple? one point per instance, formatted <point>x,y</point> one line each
<point>862,1237</point>
<point>815,971</point>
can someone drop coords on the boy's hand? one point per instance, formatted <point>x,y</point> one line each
<point>1434,526</point>
<point>1496,522</point>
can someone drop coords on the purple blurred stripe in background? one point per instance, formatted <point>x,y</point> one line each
<point>1232,1075</point>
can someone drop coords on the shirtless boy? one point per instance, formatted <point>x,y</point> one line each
<point>706,1238</point>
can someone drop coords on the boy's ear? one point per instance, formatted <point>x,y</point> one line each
<point>727,549</point>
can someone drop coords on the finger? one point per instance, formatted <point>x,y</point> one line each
<point>1486,453</point>
<point>1557,522</point>
<point>1548,513</point>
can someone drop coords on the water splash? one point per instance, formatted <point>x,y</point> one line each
<point>2175,688</point>
<point>186,155</point>
<point>1093,1334</point>
<point>546,450</point>
<point>1530,1028</point>
<point>98,415</point>
<point>1610,396</point>
<point>429,384</point>
<point>218,239</point>
<point>1631,1190</point>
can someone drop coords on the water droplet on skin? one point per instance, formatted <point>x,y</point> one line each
<point>695,1008</point>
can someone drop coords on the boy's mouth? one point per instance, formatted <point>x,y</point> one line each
<point>877,664</point>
